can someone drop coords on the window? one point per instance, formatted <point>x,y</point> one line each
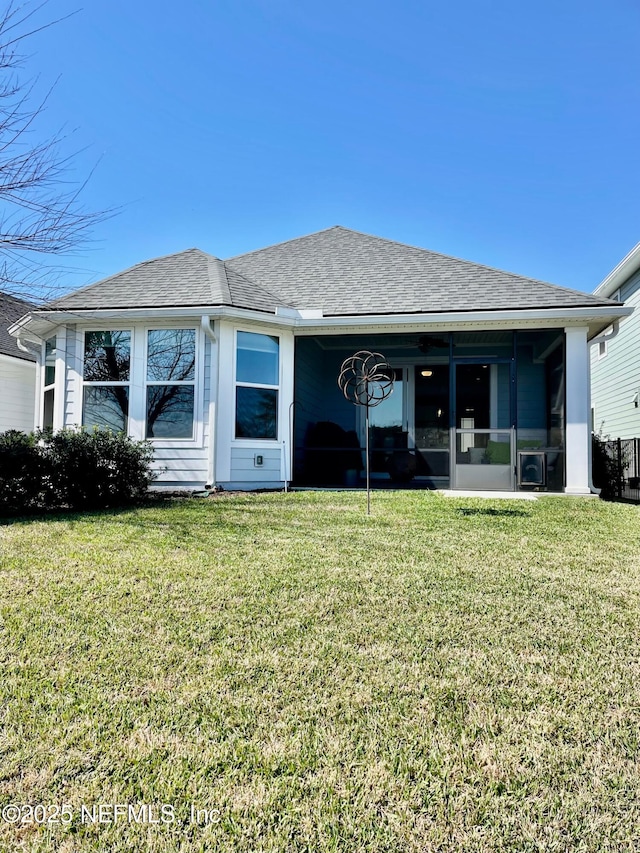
<point>257,383</point>
<point>49,382</point>
<point>602,349</point>
<point>171,371</point>
<point>106,370</point>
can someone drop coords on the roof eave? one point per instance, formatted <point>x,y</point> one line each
<point>596,318</point>
<point>627,267</point>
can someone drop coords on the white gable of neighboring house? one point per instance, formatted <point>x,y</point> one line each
<point>17,372</point>
<point>17,390</point>
<point>615,366</point>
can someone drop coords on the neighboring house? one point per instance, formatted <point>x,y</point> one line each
<point>615,363</point>
<point>230,367</point>
<point>17,370</point>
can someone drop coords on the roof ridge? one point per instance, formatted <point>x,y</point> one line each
<point>277,297</point>
<point>216,271</point>
<point>116,275</point>
<point>471,263</point>
<point>414,248</point>
<point>290,240</point>
<point>455,258</point>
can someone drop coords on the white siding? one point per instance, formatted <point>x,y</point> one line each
<point>17,394</point>
<point>615,378</point>
<point>245,474</point>
<point>73,390</point>
<point>180,467</point>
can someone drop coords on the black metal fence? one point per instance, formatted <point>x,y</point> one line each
<point>616,468</point>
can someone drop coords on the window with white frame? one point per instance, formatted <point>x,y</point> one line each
<point>257,385</point>
<point>171,375</point>
<point>49,382</point>
<point>106,376</point>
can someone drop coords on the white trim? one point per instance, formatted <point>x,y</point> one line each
<point>629,265</point>
<point>108,383</point>
<point>285,399</point>
<point>578,411</point>
<point>463,320</point>
<point>60,379</point>
<point>197,427</point>
<point>43,388</point>
<point>74,377</point>
<point>226,402</point>
<point>451,320</point>
<point>37,409</point>
<point>246,441</point>
<point>211,341</point>
<point>136,420</point>
<point>137,401</point>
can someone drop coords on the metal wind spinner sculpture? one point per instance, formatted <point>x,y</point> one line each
<point>366,379</point>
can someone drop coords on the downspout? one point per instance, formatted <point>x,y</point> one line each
<point>205,323</point>
<point>597,340</point>
<point>38,357</point>
<point>26,349</point>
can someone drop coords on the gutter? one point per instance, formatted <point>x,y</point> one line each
<point>302,323</point>
<point>205,325</point>
<point>604,338</point>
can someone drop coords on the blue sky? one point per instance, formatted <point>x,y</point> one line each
<point>500,132</point>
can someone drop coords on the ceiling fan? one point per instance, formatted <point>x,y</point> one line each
<point>426,343</point>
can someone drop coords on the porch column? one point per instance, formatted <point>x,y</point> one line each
<point>577,411</point>
<point>226,404</point>
<point>287,356</point>
<point>60,381</point>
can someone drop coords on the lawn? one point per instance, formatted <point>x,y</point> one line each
<point>282,673</point>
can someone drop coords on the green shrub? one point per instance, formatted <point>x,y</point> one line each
<point>608,472</point>
<point>21,474</point>
<point>95,469</point>
<point>72,469</point>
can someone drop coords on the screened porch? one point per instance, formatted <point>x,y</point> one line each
<point>469,410</point>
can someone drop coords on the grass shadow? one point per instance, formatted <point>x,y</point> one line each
<point>60,514</point>
<point>500,513</point>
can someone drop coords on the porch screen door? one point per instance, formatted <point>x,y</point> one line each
<point>388,434</point>
<point>484,455</point>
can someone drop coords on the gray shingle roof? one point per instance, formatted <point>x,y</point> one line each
<point>187,278</point>
<point>340,271</point>
<point>11,309</point>
<point>345,272</point>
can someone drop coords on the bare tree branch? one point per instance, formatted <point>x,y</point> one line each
<point>40,208</point>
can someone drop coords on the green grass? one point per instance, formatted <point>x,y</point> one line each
<point>448,674</point>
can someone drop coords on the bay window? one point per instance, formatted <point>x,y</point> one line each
<point>106,375</point>
<point>171,373</point>
<point>49,382</point>
<point>257,385</point>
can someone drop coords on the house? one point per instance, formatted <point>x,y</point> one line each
<point>615,359</point>
<point>17,370</point>
<point>229,367</point>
